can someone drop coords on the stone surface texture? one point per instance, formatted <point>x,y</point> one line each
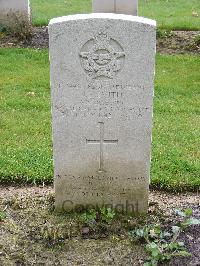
<point>128,7</point>
<point>102,79</point>
<point>19,6</point>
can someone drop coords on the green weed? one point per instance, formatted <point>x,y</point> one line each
<point>2,216</point>
<point>163,245</point>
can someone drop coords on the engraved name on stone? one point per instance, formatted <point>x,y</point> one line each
<point>106,102</point>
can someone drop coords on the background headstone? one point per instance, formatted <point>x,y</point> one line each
<point>128,7</point>
<point>102,78</point>
<point>20,7</point>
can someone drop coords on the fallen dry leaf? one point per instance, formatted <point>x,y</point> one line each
<point>195,14</point>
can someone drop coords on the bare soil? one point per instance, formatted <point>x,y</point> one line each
<point>33,234</point>
<point>180,42</point>
<point>177,42</point>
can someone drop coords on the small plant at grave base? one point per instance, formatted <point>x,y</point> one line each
<point>163,245</point>
<point>163,34</point>
<point>2,216</point>
<point>197,40</point>
<point>97,220</point>
<point>107,214</point>
<point>89,217</point>
<point>187,219</point>
<point>52,236</point>
<point>2,29</point>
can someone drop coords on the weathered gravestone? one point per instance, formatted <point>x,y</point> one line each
<point>8,8</point>
<point>102,78</point>
<point>128,7</point>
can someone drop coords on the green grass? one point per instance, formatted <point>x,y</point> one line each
<point>44,10</point>
<point>25,124</point>
<point>25,118</point>
<point>170,14</point>
<point>176,134</point>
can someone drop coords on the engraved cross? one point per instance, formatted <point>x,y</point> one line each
<point>101,141</point>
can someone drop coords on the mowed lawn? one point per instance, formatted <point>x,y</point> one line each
<point>25,124</point>
<point>170,14</point>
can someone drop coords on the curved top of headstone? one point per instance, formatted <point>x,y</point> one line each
<point>103,16</point>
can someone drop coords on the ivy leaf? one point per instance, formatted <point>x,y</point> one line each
<point>152,233</point>
<point>2,216</point>
<point>188,212</point>
<point>166,234</point>
<point>153,245</point>
<point>140,232</point>
<point>175,229</point>
<point>155,253</point>
<point>184,253</point>
<point>180,213</point>
<point>181,244</point>
<point>193,221</point>
<point>147,264</point>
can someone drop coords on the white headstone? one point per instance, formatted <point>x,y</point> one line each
<point>128,7</point>
<point>102,78</point>
<point>20,7</point>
